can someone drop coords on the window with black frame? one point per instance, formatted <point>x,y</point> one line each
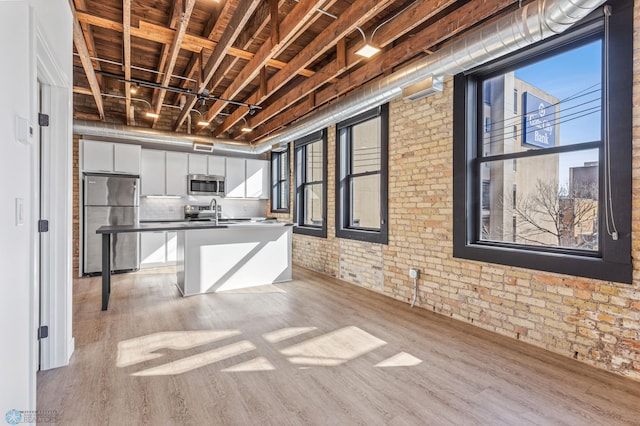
<point>361,176</point>
<point>310,168</point>
<point>280,181</point>
<point>566,206</point>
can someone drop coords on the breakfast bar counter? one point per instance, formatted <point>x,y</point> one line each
<point>216,257</point>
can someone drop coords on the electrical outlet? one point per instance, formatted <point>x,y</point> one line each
<point>414,273</point>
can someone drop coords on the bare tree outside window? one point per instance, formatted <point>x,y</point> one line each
<point>564,214</point>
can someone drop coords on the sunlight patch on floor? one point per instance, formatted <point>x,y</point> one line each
<point>256,364</point>
<point>200,360</point>
<point>334,348</point>
<point>401,359</point>
<point>141,349</point>
<point>286,333</point>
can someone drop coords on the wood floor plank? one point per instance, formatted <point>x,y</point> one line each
<point>312,351</point>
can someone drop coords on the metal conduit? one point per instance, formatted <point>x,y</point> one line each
<point>95,128</point>
<point>529,24</point>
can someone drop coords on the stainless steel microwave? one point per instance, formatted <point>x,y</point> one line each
<point>205,185</point>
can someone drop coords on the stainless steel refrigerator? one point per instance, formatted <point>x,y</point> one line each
<point>110,200</point>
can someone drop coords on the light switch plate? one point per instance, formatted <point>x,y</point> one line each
<point>24,130</point>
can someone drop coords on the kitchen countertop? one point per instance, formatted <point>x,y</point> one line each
<point>184,226</point>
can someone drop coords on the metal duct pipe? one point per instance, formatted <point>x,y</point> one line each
<point>527,25</point>
<point>96,128</point>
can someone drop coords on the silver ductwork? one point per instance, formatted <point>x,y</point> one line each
<point>153,136</point>
<point>527,25</point>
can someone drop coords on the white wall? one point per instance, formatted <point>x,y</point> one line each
<point>18,82</point>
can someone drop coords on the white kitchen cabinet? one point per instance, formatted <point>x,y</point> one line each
<point>197,164</point>
<point>97,156</point>
<point>158,249</point>
<point>257,179</point>
<point>153,251</point>
<point>216,165</point>
<point>236,178</point>
<point>126,158</point>
<point>176,176</point>
<point>153,172</point>
<point>109,157</point>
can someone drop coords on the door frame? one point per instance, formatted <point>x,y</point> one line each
<point>52,258</point>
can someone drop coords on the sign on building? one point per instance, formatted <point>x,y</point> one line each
<point>539,122</point>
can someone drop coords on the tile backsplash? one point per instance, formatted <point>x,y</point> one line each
<point>173,208</point>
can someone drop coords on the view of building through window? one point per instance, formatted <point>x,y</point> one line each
<point>365,175</point>
<point>550,198</point>
<point>313,183</point>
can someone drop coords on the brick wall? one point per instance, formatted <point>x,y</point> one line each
<point>596,322</point>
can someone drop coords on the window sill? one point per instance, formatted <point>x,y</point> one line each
<point>562,263</point>
<point>320,232</point>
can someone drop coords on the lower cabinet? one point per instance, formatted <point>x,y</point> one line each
<point>158,249</point>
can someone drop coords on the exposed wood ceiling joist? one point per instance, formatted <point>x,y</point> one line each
<point>236,24</point>
<point>185,8</point>
<point>87,65</point>
<point>290,57</point>
<point>413,16</point>
<point>456,22</point>
<point>294,22</point>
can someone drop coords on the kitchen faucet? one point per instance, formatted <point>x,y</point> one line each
<point>213,205</point>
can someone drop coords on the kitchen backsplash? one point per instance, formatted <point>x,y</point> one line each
<point>173,208</point>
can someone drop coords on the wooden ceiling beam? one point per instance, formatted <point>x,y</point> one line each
<point>347,58</point>
<point>160,34</point>
<point>263,17</point>
<point>291,24</point>
<point>195,67</point>
<point>237,23</point>
<point>82,90</point>
<point>174,18</point>
<point>126,38</point>
<point>88,36</point>
<point>358,13</point>
<point>444,29</point>
<point>87,65</point>
<point>185,15</point>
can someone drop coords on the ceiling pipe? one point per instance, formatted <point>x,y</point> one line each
<point>529,24</point>
<point>118,131</point>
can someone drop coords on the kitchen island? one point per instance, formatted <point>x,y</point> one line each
<point>216,257</point>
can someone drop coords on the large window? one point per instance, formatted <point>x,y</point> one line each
<point>566,206</point>
<point>361,176</point>
<point>310,204</point>
<point>280,181</point>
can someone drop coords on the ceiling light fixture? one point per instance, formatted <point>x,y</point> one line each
<point>203,123</point>
<point>246,128</point>
<point>368,50</point>
<point>152,114</point>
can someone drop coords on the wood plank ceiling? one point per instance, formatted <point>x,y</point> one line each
<point>287,57</point>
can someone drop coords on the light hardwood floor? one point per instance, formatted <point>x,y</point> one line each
<point>314,351</point>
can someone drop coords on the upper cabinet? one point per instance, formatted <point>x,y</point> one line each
<point>216,165</point>
<point>153,174</point>
<point>110,157</point>
<point>197,164</point>
<point>177,170</point>
<point>200,164</point>
<point>235,180</point>
<point>247,178</point>
<point>126,158</point>
<point>257,178</point>
<point>164,173</point>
